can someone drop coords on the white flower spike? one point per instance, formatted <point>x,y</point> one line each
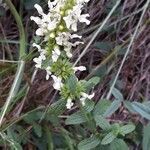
<point>55,29</point>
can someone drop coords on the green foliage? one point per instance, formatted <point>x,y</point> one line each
<point>88,127</point>
<point>146,137</point>
<point>88,144</point>
<point>136,107</point>
<point>89,105</point>
<point>102,122</point>
<point>126,129</point>
<point>72,88</point>
<point>91,83</point>
<point>76,118</point>
<point>57,108</point>
<point>117,94</point>
<point>101,107</point>
<point>118,144</point>
<point>113,107</point>
<point>108,138</point>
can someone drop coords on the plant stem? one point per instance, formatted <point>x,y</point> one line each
<point>21,64</point>
<point>20,27</point>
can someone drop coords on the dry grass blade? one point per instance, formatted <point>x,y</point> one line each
<point>128,49</point>
<point>21,65</point>
<point>98,31</point>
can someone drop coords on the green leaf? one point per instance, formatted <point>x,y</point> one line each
<point>104,47</point>
<point>89,143</point>
<point>91,83</point>
<point>113,107</point>
<point>75,118</point>
<point>58,107</point>
<point>31,118</point>
<point>103,147</point>
<point>89,105</point>
<point>143,110</point>
<point>37,129</point>
<point>101,107</point>
<point>108,138</point>
<point>146,137</point>
<point>49,138</point>
<point>72,83</point>
<point>102,122</point>
<point>126,129</point>
<point>119,144</point>
<point>128,105</point>
<point>116,93</point>
<point>68,139</point>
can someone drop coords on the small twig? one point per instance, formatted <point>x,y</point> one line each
<point>46,110</point>
<point>28,88</point>
<point>9,61</point>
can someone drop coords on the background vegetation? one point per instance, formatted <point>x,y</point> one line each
<point>117,55</point>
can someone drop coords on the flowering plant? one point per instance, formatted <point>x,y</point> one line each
<point>56,29</point>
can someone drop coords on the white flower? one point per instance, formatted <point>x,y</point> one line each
<point>85,96</point>
<point>64,38</point>
<point>42,56</point>
<point>48,72</point>
<point>69,103</point>
<point>80,68</point>
<point>55,5</point>
<point>57,82</point>
<point>74,16</point>
<point>82,1</point>
<point>38,62</point>
<point>39,9</point>
<point>67,49</point>
<point>52,4</point>
<point>55,54</point>
<point>46,22</point>
<point>38,47</point>
<point>75,36</point>
<point>37,20</point>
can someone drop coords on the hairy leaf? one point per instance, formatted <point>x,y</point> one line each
<point>146,137</point>
<point>101,107</point>
<point>108,138</point>
<point>119,144</point>
<point>113,107</point>
<point>75,118</point>
<point>127,129</point>
<point>89,143</point>
<point>102,122</point>
<point>116,93</point>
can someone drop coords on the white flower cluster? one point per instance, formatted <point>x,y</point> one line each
<point>55,27</point>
